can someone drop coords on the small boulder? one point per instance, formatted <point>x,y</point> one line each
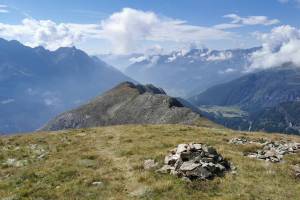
<point>200,173</point>
<point>270,153</point>
<point>97,183</point>
<point>188,166</point>
<point>296,169</point>
<point>171,159</point>
<point>181,148</point>
<point>166,169</point>
<point>150,164</point>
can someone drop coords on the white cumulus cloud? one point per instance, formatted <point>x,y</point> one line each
<point>43,33</point>
<point>280,46</point>
<point>126,30</point>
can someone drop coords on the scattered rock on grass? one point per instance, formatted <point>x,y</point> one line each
<point>241,140</point>
<point>12,162</point>
<point>272,151</point>
<point>195,161</point>
<point>245,140</point>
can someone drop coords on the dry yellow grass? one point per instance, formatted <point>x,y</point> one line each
<point>72,160</point>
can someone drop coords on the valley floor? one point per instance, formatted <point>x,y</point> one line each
<point>107,163</point>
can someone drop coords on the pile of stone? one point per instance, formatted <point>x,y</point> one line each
<point>195,161</point>
<point>272,151</point>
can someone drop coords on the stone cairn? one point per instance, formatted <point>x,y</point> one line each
<point>195,161</point>
<point>272,151</point>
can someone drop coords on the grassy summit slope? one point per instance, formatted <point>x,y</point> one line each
<point>65,164</point>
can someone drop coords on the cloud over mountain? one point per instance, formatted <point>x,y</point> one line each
<point>44,32</point>
<point>124,29</point>
<point>128,30</point>
<point>280,46</point>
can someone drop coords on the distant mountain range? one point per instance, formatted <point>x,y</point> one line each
<point>267,100</point>
<point>127,103</point>
<point>184,73</point>
<point>37,84</point>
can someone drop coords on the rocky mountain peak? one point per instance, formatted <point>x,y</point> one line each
<point>141,88</point>
<point>127,103</point>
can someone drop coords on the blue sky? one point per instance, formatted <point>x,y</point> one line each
<point>197,20</point>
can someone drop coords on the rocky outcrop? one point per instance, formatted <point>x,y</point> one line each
<point>272,151</point>
<point>195,161</point>
<point>127,103</point>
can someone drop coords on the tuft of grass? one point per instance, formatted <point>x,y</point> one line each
<point>249,148</point>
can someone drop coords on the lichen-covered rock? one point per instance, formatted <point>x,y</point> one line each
<point>195,161</point>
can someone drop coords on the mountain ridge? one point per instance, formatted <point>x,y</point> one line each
<point>126,103</point>
<point>40,83</point>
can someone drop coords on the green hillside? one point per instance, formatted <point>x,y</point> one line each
<point>262,101</point>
